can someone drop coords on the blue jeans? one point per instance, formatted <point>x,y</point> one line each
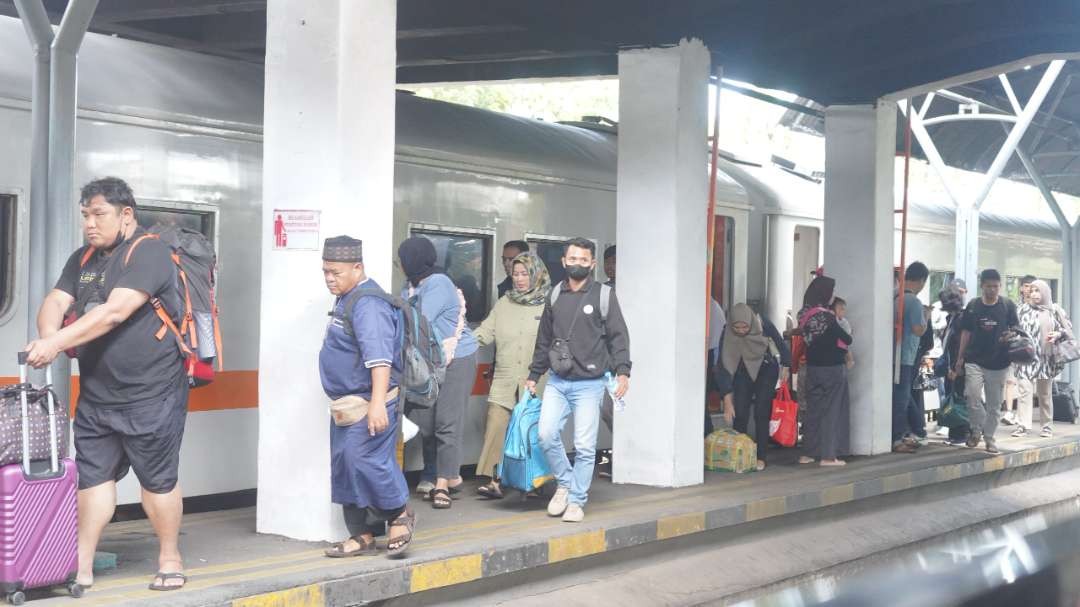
<point>582,398</point>
<point>901,403</point>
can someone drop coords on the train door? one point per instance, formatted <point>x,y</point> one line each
<point>806,258</point>
<point>723,261</point>
<point>465,255</point>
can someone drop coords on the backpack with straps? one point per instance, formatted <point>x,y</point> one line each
<point>423,359</point>
<point>605,299</point>
<point>196,328</point>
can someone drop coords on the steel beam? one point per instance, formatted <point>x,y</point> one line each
<point>968,118</point>
<point>1023,121</point>
<point>61,230</point>
<point>927,144</point>
<point>40,34</point>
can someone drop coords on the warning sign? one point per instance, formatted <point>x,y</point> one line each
<point>296,230</point>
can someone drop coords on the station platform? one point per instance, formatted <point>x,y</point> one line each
<point>230,565</point>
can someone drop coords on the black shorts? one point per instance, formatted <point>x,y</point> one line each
<point>144,437</point>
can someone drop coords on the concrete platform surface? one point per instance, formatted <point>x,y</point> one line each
<point>229,564</point>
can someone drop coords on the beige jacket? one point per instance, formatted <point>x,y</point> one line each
<point>512,328</point>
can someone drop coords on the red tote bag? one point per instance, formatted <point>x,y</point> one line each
<point>784,424</point>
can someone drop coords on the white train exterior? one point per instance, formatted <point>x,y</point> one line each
<point>185,130</point>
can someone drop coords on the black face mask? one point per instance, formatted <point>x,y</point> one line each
<point>578,272</point>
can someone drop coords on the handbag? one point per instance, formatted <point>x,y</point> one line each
<point>559,356</point>
<point>1065,350</point>
<point>350,409</point>
<point>1021,348</point>
<point>37,421</point>
<point>783,423</point>
<point>954,411</point>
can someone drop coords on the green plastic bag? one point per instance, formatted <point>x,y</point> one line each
<point>954,411</point>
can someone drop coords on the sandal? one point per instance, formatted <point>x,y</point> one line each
<point>164,577</point>
<point>490,491</point>
<point>440,499</point>
<point>396,546</point>
<point>337,551</point>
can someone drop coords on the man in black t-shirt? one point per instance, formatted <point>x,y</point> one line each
<point>133,387</point>
<point>984,357</point>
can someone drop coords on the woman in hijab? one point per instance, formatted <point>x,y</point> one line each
<point>443,305</point>
<point>512,327</point>
<point>753,358</point>
<point>1044,323</point>
<point>827,423</point>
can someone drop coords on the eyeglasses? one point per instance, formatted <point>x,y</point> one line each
<point>508,259</point>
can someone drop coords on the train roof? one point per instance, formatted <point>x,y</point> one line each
<point>1011,207</point>
<point>142,80</point>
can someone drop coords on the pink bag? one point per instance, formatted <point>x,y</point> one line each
<point>38,521</point>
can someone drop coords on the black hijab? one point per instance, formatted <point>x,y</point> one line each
<point>819,293</point>
<point>417,256</point>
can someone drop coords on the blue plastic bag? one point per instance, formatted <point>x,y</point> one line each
<point>524,466</point>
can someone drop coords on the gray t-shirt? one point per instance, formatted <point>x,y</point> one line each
<point>128,365</point>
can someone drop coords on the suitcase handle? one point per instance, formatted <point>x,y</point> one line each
<point>54,467</point>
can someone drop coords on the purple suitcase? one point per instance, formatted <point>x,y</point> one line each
<point>38,520</point>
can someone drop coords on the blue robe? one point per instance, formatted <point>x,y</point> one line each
<point>364,470</point>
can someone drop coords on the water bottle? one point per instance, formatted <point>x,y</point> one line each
<point>612,386</point>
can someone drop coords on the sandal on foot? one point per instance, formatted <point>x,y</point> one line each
<point>440,499</point>
<point>337,551</point>
<point>397,545</point>
<point>490,491</point>
<point>164,578</point>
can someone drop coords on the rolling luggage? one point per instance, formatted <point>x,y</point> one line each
<point>38,524</point>
<point>1065,409</point>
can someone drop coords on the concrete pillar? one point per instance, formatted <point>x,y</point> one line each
<point>329,147</point>
<point>860,142</point>
<point>967,247</point>
<point>1070,289</point>
<point>662,208</point>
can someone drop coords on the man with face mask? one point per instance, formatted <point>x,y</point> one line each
<point>133,386</point>
<point>578,346</point>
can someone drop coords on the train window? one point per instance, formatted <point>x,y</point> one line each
<point>938,280</point>
<point>7,251</point>
<point>1012,288</point>
<point>466,259</point>
<point>551,251</point>
<point>192,219</point>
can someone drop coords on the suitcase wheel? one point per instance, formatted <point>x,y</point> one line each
<point>16,598</point>
<point>76,590</point>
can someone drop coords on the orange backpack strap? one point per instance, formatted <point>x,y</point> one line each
<point>136,243</point>
<point>86,256</point>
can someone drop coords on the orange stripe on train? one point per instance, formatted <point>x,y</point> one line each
<point>240,390</point>
<point>230,390</point>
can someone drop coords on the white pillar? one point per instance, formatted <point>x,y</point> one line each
<point>328,146</point>
<point>967,247</point>
<point>662,211</point>
<point>860,143</point>
<point>1071,288</point>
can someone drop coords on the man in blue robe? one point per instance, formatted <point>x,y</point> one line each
<point>360,366</point>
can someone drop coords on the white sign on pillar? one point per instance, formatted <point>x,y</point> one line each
<point>860,146</point>
<point>662,197</point>
<point>329,149</point>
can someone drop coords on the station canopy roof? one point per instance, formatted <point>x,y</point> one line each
<point>827,51</point>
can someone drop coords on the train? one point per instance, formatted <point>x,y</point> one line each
<point>185,130</point>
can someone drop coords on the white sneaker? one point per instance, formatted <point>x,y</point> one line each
<point>574,514</point>
<point>557,505</point>
<point>424,488</point>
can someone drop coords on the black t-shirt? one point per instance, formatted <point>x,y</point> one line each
<point>128,365</point>
<point>987,324</point>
